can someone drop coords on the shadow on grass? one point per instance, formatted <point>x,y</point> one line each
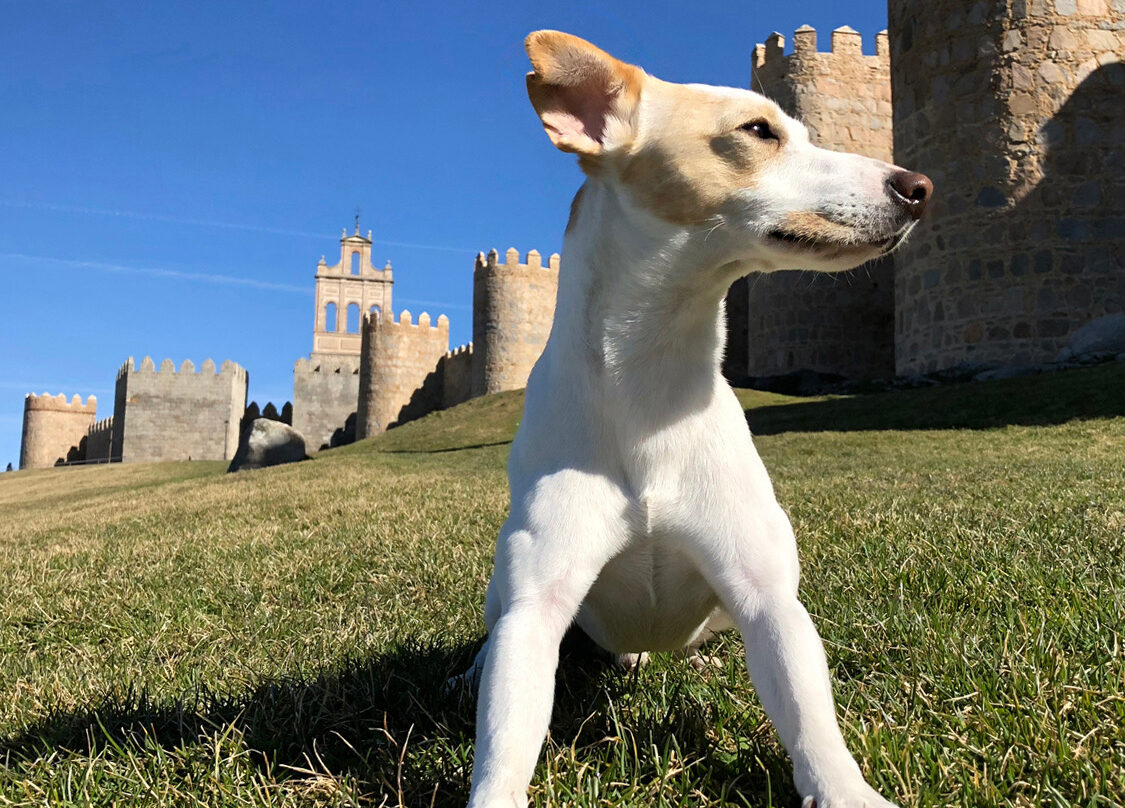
<point>389,722</point>
<point>1055,398</point>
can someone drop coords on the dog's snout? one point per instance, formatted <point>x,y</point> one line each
<point>911,190</point>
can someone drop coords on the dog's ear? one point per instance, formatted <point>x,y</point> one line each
<point>586,99</point>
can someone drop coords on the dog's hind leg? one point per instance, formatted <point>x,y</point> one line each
<point>548,556</point>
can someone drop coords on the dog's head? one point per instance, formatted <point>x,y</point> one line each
<point>721,161</point>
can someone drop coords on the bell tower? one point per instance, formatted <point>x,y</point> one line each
<point>345,292</point>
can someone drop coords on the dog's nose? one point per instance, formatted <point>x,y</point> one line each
<point>911,190</point>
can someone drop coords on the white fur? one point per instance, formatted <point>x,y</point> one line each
<point>640,508</point>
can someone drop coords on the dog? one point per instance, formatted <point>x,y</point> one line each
<point>640,509</point>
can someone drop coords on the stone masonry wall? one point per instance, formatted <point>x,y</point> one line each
<point>54,429</point>
<point>99,441</point>
<point>400,370</point>
<point>457,376</point>
<point>1016,110</point>
<point>179,415</point>
<point>513,308</point>
<point>325,393</point>
<point>837,323</point>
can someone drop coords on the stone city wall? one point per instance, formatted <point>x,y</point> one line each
<point>513,308</point>
<point>839,323</point>
<point>457,376</point>
<point>167,414</point>
<point>99,441</point>
<point>325,393</point>
<point>54,429</point>
<point>400,370</point>
<point>1017,112</point>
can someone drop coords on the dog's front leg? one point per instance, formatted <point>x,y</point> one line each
<point>756,578</point>
<point>548,556</point>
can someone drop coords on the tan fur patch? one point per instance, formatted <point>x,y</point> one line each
<point>685,170</point>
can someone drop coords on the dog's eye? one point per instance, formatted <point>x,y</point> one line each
<point>759,129</point>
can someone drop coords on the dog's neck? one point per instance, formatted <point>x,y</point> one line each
<point>640,300</point>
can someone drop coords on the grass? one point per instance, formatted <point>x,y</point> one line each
<point>170,635</point>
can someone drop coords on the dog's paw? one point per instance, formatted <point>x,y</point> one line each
<point>701,662</point>
<point>462,683</point>
<point>630,662</point>
<point>862,797</point>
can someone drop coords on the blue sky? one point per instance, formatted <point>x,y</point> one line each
<point>171,172</point>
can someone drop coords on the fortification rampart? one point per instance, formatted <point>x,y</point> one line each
<point>54,429</point>
<point>99,441</point>
<point>1017,113</point>
<point>325,393</point>
<point>171,414</point>
<point>457,375</point>
<point>797,320</point>
<point>400,369</point>
<point>513,308</point>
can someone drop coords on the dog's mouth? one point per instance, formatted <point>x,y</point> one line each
<point>829,247</point>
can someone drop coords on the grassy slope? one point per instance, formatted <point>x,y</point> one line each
<point>172,634</point>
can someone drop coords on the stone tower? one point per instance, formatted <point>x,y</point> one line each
<point>1016,109</point>
<point>837,323</point>
<point>167,413</point>
<point>400,372</point>
<point>513,308</point>
<point>54,429</point>
<point>326,385</point>
<point>345,292</point>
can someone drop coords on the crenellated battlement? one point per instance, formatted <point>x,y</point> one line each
<point>102,425</point>
<point>59,403</point>
<point>846,43</point>
<point>406,320</point>
<point>187,367</point>
<point>511,262</point>
<point>459,351</point>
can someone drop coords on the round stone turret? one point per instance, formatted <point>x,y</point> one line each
<point>54,429</point>
<point>513,308</point>
<point>1017,112</point>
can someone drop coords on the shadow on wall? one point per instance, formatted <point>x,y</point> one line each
<point>1056,398</point>
<point>388,721</point>
<point>424,400</point>
<point>76,454</point>
<point>1003,282</point>
<point>343,435</point>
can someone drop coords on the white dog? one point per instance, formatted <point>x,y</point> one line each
<point>640,509</point>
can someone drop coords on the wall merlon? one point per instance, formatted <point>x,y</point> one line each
<point>882,45</point>
<point>804,41</point>
<point>846,41</point>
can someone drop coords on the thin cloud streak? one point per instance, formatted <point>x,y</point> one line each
<point>158,272</point>
<point>253,228</point>
<point>201,277</point>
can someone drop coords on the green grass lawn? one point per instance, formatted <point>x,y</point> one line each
<point>171,635</point>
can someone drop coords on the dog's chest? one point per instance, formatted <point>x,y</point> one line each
<point>650,597</point>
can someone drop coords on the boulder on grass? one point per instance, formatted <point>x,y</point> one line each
<point>267,443</point>
<point>1102,335</point>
